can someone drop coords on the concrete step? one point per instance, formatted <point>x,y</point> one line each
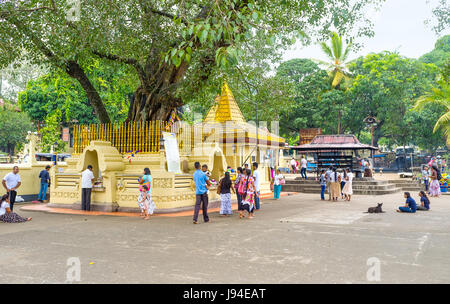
<point>355,191</point>
<point>313,182</point>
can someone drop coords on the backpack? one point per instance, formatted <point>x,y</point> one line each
<point>242,186</point>
<point>439,175</point>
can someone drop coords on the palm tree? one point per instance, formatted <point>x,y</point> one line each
<point>440,96</point>
<point>337,69</point>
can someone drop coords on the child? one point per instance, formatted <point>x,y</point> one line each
<point>146,203</point>
<point>410,204</point>
<point>323,184</point>
<point>424,201</point>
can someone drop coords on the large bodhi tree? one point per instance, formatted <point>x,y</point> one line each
<point>168,43</point>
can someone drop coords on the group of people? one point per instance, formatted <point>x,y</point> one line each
<point>411,205</point>
<point>11,182</point>
<point>246,187</point>
<point>433,187</point>
<point>303,164</point>
<point>338,184</point>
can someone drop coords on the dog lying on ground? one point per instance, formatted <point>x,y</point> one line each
<point>376,209</point>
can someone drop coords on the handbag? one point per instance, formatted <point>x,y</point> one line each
<point>219,187</point>
<point>282,181</point>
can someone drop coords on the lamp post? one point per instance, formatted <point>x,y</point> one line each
<point>372,123</point>
<point>55,153</point>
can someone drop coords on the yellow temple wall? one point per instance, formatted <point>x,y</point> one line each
<point>29,175</point>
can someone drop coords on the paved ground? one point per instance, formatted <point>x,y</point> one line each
<point>298,239</point>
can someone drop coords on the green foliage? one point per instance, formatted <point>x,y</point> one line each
<point>13,129</point>
<point>153,37</point>
<point>386,86</point>
<point>441,53</point>
<point>308,110</point>
<point>338,55</point>
<point>57,91</point>
<point>51,133</point>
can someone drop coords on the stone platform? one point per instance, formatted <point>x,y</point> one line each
<point>362,186</point>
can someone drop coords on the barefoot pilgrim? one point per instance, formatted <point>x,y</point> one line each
<point>222,139</point>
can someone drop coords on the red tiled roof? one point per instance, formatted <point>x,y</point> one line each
<point>342,142</point>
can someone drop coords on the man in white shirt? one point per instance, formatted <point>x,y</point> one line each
<point>328,176</point>
<point>87,180</point>
<point>11,182</point>
<point>257,178</point>
<point>304,163</point>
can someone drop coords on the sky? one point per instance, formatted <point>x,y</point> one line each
<point>399,26</point>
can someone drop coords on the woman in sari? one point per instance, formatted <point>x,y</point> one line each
<point>248,198</point>
<point>435,186</point>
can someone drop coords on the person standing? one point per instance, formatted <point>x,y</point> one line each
<point>278,179</point>
<point>11,182</point>
<point>343,179</point>
<point>334,185</point>
<point>304,164</point>
<point>328,176</point>
<point>257,179</point>
<point>426,178</point>
<point>323,184</point>
<point>145,200</point>
<point>225,195</point>
<point>146,180</point>
<point>87,180</point>
<point>348,187</point>
<point>294,165</point>
<point>248,197</point>
<point>435,186</point>
<point>239,176</point>
<point>45,181</point>
<point>201,195</point>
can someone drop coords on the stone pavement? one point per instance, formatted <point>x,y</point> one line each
<point>297,239</point>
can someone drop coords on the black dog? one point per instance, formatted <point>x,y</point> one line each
<point>376,209</point>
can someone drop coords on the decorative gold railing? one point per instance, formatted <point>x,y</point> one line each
<point>144,137</point>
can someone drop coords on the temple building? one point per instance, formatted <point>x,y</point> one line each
<point>120,152</point>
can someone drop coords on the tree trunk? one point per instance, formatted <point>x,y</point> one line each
<point>155,99</point>
<point>76,72</point>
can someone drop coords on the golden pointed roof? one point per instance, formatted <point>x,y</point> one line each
<point>225,108</point>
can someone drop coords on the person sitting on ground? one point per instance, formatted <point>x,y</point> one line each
<point>410,204</point>
<point>6,215</point>
<point>424,202</point>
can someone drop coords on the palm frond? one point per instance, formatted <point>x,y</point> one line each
<point>347,51</point>
<point>336,43</point>
<point>431,98</point>
<point>443,123</point>
<point>326,49</point>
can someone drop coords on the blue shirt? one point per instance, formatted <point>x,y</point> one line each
<point>323,180</point>
<point>44,176</point>
<point>425,201</point>
<point>200,179</point>
<point>411,204</point>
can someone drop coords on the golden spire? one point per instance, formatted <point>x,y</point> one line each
<point>225,108</point>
